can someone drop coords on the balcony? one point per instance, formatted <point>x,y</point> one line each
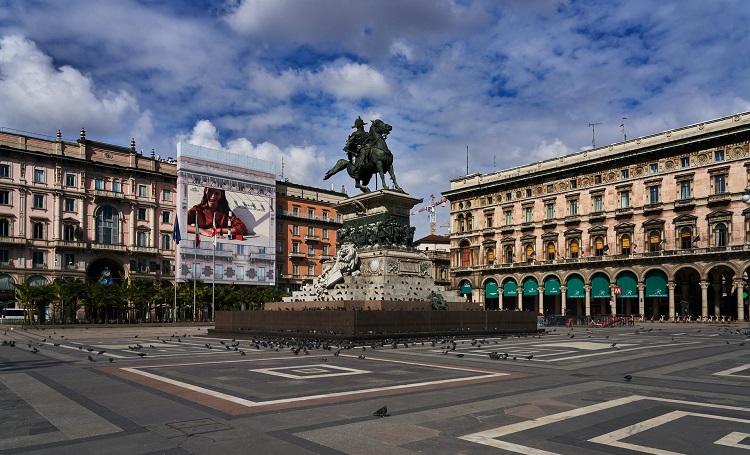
<point>488,231</point>
<point>12,240</point>
<point>296,255</point>
<point>70,244</point>
<point>144,249</point>
<point>106,194</point>
<point>719,199</point>
<point>312,238</point>
<point>572,220</point>
<point>108,247</point>
<point>684,204</point>
<point>652,209</point>
<point>326,219</point>
<point>624,212</point>
<point>325,257</point>
<point>38,265</point>
<point>8,263</point>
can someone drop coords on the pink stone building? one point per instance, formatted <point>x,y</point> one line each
<point>657,226</point>
<point>82,209</point>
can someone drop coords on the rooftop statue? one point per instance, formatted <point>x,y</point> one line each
<point>367,154</point>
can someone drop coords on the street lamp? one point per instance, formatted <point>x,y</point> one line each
<point>746,195</point>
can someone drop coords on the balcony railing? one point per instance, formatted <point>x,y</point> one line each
<point>312,238</point>
<point>326,219</point>
<point>108,246</point>
<point>296,255</point>
<point>70,244</point>
<point>144,249</point>
<point>13,240</point>
<point>109,194</point>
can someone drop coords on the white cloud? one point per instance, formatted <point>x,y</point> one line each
<point>351,80</point>
<point>35,92</point>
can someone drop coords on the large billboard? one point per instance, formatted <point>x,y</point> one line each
<point>226,219</point>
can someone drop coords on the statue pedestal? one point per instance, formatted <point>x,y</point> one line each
<point>389,268</point>
<point>377,206</point>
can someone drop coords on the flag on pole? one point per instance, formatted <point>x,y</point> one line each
<point>176,236</point>
<point>697,239</point>
<point>213,231</point>
<point>197,233</point>
<point>663,242</point>
<point>606,248</point>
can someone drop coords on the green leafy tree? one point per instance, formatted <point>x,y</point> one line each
<point>104,297</point>
<point>35,297</point>
<point>141,292</point>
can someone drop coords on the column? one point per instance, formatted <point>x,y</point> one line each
<point>133,222</point>
<point>717,298</point>
<point>704,298</point>
<point>563,294</point>
<point>55,216</point>
<point>519,300</point>
<point>739,286</point>
<point>641,304</point>
<point>670,290</point>
<point>540,300</point>
<point>500,298</point>
<point>587,290</point>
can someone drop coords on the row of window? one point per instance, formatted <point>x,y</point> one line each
<point>654,242</point>
<point>39,201</point>
<point>310,249</point>
<point>465,222</point>
<point>310,212</point>
<point>624,175</point>
<point>71,180</point>
<point>296,230</point>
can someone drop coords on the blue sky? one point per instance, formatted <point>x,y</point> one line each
<point>514,81</point>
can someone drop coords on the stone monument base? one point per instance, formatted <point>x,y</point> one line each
<point>372,305</point>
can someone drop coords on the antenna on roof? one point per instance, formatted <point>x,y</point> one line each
<point>467,160</point>
<point>622,125</point>
<point>593,134</point>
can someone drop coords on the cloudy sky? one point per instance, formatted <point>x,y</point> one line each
<point>514,81</point>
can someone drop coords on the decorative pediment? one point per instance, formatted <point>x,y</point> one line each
<point>528,238</point>
<point>685,219</point>
<point>508,240</point>
<point>625,226</point>
<point>719,214</point>
<point>653,223</point>
<point>572,233</point>
<point>550,235</point>
<point>597,229</point>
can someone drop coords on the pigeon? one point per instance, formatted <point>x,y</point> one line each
<point>382,412</point>
<point>361,357</point>
<point>628,377</point>
<point>142,354</point>
<point>101,352</point>
<point>35,350</point>
<point>111,360</point>
<point>91,359</point>
<point>459,355</point>
<point>529,357</point>
<point>242,353</point>
<point>57,344</point>
<point>613,345</point>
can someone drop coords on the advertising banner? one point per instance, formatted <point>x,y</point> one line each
<point>225,213</point>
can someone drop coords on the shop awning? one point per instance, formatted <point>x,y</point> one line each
<point>551,286</point>
<point>575,288</point>
<point>510,289</point>
<point>465,287</point>
<point>530,287</point>
<point>490,290</point>
<point>629,285</point>
<point>656,284</point>
<point>600,287</point>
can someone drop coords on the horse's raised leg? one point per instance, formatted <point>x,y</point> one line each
<point>361,187</point>
<point>393,177</point>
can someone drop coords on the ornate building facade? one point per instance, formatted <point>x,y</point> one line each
<point>306,225</point>
<point>656,226</point>
<point>82,209</point>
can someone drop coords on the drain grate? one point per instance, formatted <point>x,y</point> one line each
<point>202,426</point>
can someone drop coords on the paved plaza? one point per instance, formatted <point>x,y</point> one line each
<point>178,390</point>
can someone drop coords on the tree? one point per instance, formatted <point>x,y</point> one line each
<point>141,292</point>
<point>35,297</point>
<point>101,297</point>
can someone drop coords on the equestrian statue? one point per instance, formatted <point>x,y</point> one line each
<point>368,154</point>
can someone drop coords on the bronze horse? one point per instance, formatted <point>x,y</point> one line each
<point>378,158</point>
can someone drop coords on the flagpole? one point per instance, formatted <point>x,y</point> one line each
<point>213,274</point>
<point>176,237</point>
<point>195,258</point>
